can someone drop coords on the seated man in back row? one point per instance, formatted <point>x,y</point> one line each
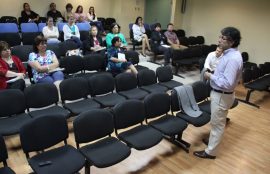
<point>172,38</point>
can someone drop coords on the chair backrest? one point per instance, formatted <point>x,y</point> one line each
<point>130,26</point>
<point>43,132</point>
<point>85,26</point>
<point>109,21</point>
<point>42,19</point>
<point>74,88</point>
<point>256,72</point>
<point>60,26</point>
<point>41,95</point>
<point>93,62</point>
<point>128,113</point>
<point>22,51</point>
<point>3,151</point>
<point>8,19</point>
<point>57,49</point>
<point>200,40</point>
<point>72,64</point>
<point>245,56</point>
<point>41,26</point>
<point>201,91</point>
<point>68,45</point>
<point>174,101</point>
<point>101,84</point>
<point>12,102</point>
<point>180,33</point>
<point>156,104</point>
<point>125,81</point>
<point>92,125</point>
<point>132,56</point>
<point>192,40</point>
<point>164,73</point>
<point>247,75</point>
<point>8,28</point>
<point>184,41</point>
<point>29,27</point>
<point>146,77</point>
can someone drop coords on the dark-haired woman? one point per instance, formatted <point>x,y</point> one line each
<point>10,67</point>
<point>43,62</point>
<point>28,15</point>
<point>115,31</point>
<point>117,62</point>
<point>139,34</point>
<point>92,18</point>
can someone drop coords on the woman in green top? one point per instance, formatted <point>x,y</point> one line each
<point>115,31</point>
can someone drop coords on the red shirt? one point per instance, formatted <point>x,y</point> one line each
<point>4,68</point>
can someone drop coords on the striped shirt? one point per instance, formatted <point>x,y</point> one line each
<point>228,71</point>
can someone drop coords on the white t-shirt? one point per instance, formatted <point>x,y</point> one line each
<point>50,33</point>
<point>211,61</point>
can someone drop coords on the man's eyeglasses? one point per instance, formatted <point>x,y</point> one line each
<point>224,37</point>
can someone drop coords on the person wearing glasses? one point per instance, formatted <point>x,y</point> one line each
<point>44,63</point>
<point>11,67</point>
<point>51,32</point>
<point>223,82</point>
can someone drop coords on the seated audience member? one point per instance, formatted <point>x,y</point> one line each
<point>92,18</point>
<point>158,40</point>
<point>68,11</point>
<point>44,63</point>
<point>79,15</point>
<point>139,34</point>
<point>11,67</point>
<point>55,14</point>
<point>172,38</point>
<point>115,31</point>
<point>117,62</point>
<point>94,44</point>
<point>212,61</point>
<point>28,15</point>
<point>51,32</point>
<point>71,32</point>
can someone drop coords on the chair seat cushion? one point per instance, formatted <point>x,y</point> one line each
<point>110,100</point>
<point>141,137</point>
<point>81,106</point>
<point>12,125</point>
<point>171,84</point>
<point>140,67</point>
<point>65,159</point>
<point>256,86</point>
<point>205,106</point>
<point>195,121</point>
<point>6,170</point>
<point>169,125</point>
<point>105,152</point>
<point>54,110</point>
<point>135,93</point>
<point>154,88</point>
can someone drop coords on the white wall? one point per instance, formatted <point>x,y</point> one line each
<point>208,17</point>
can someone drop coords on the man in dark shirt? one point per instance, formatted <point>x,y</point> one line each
<point>55,14</point>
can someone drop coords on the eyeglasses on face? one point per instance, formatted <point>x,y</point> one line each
<point>224,37</point>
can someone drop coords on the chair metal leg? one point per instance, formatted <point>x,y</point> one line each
<point>178,142</point>
<point>176,71</point>
<point>87,167</point>
<point>247,99</point>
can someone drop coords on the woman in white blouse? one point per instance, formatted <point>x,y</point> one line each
<point>51,32</point>
<point>92,18</point>
<point>139,34</point>
<point>71,32</point>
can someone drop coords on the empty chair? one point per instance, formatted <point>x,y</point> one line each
<point>200,40</point>
<point>184,41</point>
<point>12,111</point>
<point>74,89</point>
<point>43,95</point>
<point>133,57</point>
<point>68,45</point>
<point>57,49</point>
<point>43,133</point>
<point>4,157</point>
<point>93,62</point>
<point>246,63</point>
<point>108,22</point>
<point>106,151</point>
<point>126,85</point>
<point>9,32</point>
<point>157,106</point>
<point>195,121</point>
<point>102,87</point>
<point>132,113</point>
<point>73,66</point>
<point>29,33</point>
<point>84,29</point>
<point>180,33</point>
<point>41,26</point>
<point>165,77</point>
<point>60,29</point>
<point>8,19</point>
<point>147,81</point>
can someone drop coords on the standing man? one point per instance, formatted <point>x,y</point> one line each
<point>223,83</point>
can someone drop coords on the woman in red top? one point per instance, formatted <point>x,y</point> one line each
<point>10,68</point>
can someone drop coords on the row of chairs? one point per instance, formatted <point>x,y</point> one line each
<point>97,124</point>
<point>12,19</point>
<point>10,33</point>
<point>256,79</point>
<point>101,87</point>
